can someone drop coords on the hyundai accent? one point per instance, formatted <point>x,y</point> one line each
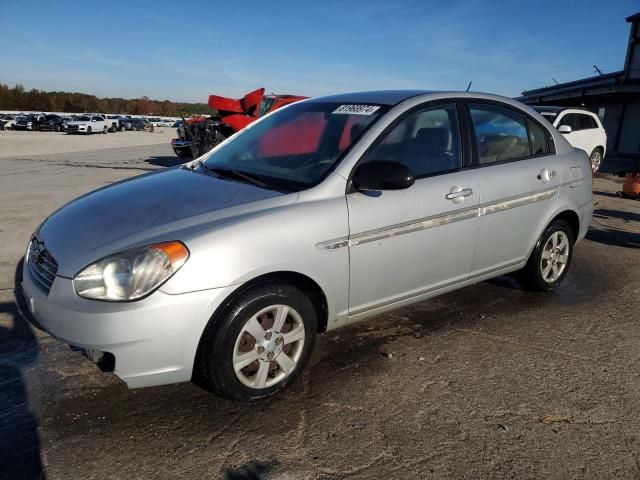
<point>324,213</point>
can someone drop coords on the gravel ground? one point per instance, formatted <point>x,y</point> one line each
<point>486,382</point>
<point>21,143</point>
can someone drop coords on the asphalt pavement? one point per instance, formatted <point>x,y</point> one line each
<point>486,382</point>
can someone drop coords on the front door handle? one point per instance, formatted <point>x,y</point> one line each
<point>457,194</point>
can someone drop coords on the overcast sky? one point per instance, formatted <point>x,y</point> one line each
<point>185,50</point>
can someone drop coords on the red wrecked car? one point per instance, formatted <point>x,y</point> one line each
<point>198,135</point>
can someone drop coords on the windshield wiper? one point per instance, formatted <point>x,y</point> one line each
<point>238,175</point>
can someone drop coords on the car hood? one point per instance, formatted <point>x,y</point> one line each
<point>172,204</point>
<point>78,122</point>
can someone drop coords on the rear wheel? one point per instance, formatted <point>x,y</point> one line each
<point>104,130</point>
<point>549,262</point>
<point>596,159</point>
<point>258,345</point>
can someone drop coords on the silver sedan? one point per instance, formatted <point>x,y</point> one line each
<point>321,214</point>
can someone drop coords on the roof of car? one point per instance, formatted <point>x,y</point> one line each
<point>550,109</point>
<point>381,97</point>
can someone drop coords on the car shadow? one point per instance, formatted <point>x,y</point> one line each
<point>612,236</point>
<point>606,194</point>
<point>255,470</point>
<point>166,161</point>
<point>620,214</point>
<point>608,234</point>
<point>19,442</point>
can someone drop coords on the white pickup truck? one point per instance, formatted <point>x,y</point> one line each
<point>88,124</point>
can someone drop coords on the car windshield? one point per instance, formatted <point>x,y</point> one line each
<point>83,118</point>
<point>20,118</point>
<point>297,146</point>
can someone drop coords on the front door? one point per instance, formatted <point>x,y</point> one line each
<point>404,243</point>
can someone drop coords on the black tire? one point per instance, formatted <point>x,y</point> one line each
<point>88,130</point>
<point>104,130</point>
<point>214,369</point>
<point>531,276</point>
<point>56,128</point>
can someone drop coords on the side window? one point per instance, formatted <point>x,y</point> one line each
<point>539,139</point>
<point>427,141</point>
<point>571,120</point>
<point>587,122</point>
<point>500,133</point>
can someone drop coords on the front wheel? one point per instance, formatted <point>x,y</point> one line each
<point>88,130</point>
<point>104,130</point>
<point>258,345</point>
<point>549,262</point>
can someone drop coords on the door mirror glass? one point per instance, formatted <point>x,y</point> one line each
<point>564,129</point>
<point>383,175</point>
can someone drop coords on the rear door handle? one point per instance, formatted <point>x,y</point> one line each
<point>545,175</point>
<point>457,194</point>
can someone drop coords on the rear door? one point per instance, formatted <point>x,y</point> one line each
<point>519,178</point>
<point>405,243</point>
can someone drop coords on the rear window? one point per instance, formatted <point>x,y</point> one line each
<point>501,134</point>
<point>504,134</point>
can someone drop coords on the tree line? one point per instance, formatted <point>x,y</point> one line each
<point>17,98</point>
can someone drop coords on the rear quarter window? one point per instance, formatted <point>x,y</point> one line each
<point>540,140</point>
<point>587,122</point>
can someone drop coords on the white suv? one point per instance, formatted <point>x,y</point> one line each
<point>88,124</point>
<point>581,128</point>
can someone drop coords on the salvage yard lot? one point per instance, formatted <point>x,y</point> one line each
<point>20,143</point>
<point>455,387</point>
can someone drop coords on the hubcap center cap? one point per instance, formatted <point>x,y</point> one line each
<point>272,347</point>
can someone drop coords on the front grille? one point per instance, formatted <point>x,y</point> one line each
<point>42,266</point>
<point>73,128</point>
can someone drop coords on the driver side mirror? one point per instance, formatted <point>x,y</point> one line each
<point>383,175</point>
<point>564,129</point>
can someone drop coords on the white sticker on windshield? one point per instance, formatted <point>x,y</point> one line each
<point>356,109</point>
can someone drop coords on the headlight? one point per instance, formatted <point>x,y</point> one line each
<point>130,274</point>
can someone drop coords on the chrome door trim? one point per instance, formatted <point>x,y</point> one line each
<point>437,220</point>
<point>413,226</point>
<point>517,201</point>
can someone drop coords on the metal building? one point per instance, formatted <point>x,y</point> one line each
<point>615,97</point>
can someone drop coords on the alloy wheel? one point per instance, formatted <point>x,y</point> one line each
<point>596,160</point>
<point>269,346</point>
<point>555,256</point>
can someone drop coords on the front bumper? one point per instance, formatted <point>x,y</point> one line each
<point>153,340</point>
